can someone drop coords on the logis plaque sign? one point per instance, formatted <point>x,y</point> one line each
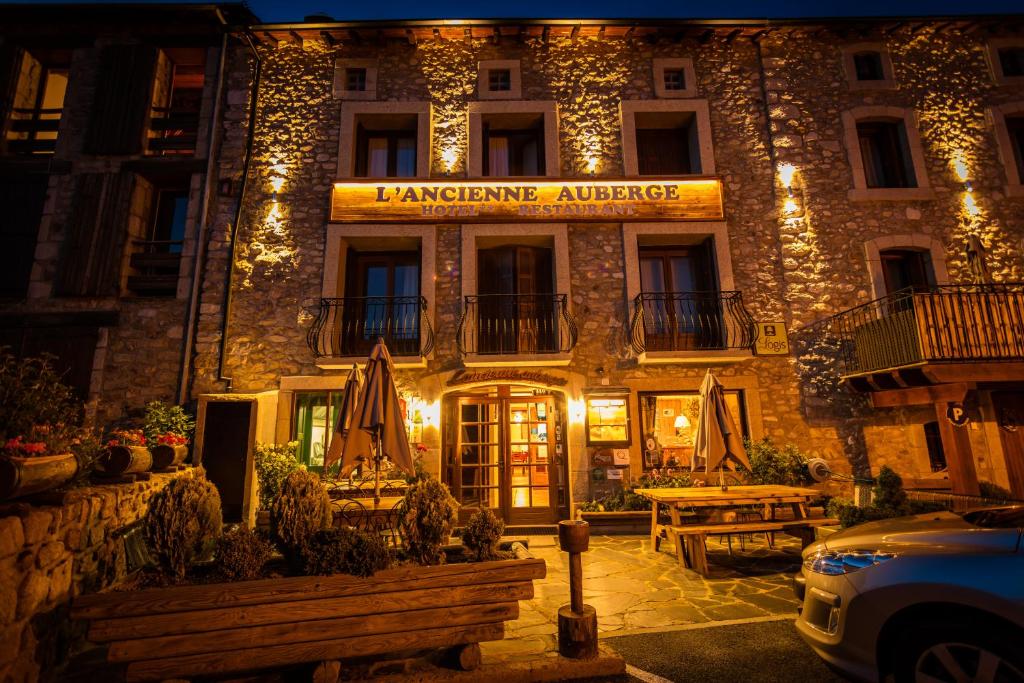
<point>527,200</point>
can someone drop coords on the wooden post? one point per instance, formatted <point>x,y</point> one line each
<point>577,623</point>
<point>956,444</point>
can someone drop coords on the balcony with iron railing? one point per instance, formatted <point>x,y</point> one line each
<point>173,131</point>
<point>155,265</point>
<point>919,337</point>
<point>345,329</point>
<point>33,131</point>
<point>516,328</point>
<point>677,326</point>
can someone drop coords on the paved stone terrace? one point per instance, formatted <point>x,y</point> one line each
<point>635,590</point>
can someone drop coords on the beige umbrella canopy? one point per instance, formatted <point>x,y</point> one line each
<point>717,435</point>
<point>353,385</point>
<point>377,429</point>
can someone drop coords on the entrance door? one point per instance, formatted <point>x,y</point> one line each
<point>504,457</point>
<point>1010,418</point>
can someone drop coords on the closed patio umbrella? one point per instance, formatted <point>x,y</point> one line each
<point>377,429</point>
<point>717,435</point>
<point>346,411</point>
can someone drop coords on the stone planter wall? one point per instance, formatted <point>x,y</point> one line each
<point>51,553</point>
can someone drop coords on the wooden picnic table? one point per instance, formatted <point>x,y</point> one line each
<point>766,496</point>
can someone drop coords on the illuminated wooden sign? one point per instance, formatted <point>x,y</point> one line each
<point>527,200</point>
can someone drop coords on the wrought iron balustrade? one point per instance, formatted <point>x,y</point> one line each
<point>350,326</point>
<point>944,324</point>
<point>691,321</point>
<point>507,324</point>
<point>174,131</point>
<point>33,131</point>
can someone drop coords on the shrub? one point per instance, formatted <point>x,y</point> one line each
<point>344,551</point>
<point>32,394</point>
<point>241,554</point>
<point>183,522</point>
<point>657,479</point>
<point>889,494</point>
<point>274,462</point>
<point>994,491</point>
<point>771,465</point>
<point>428,520</point>
<point>482,533</point>
<point>164,419</point>
<point>39,414</point>
<point>846,512</point>
<point>301,509</point>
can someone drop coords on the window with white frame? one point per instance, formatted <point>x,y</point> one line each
<point>499,79</point>
<point>355,79</point>
<point>868,66</point>
<point>667,137</point>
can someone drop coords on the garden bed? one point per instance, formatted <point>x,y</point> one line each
<point>229,628</point>
<point>620,522</point>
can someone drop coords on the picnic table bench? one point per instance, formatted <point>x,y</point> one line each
<point>689,538</point>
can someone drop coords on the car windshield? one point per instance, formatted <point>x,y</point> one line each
<point>997,518</point>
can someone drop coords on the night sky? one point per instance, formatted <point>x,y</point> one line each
<point>295,10</point>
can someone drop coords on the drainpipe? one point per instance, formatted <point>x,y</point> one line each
<point>191,320</point>
<point>228,299</point>
<point>767,117</point>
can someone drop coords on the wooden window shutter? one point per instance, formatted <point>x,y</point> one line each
<point>124,91</point>
<point>111,232</point>
<point>80,228</point>
<point>90,261</point>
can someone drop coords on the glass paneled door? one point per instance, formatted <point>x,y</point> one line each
<point>504,457</point>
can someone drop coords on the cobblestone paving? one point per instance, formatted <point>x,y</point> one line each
<point>634,589</point>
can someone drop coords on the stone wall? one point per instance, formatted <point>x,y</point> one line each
<point>776,100</point>
<point>51,553</point>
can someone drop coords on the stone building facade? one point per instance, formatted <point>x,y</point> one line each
<point>763,101</point>
<point>847,155</point>
<point>106,120</point>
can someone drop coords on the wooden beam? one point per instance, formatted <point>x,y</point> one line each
<point>919,396</point>
<point>282,655</point>
<point>944,373</point>
<point>956,445</point>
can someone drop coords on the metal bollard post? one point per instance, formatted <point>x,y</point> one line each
<point>577,623</point>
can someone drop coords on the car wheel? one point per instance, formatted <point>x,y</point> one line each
<point>954,654</point>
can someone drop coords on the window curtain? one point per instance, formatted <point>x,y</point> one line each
<point>377,158</point>
<point>405,166</point>
<point>869,153</point>
<point>304,407</point>
<point>497,154</point>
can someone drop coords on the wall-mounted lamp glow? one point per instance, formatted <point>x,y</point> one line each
<point>450,156</point>
<point>591,164</point>
<point>970,205</point>
<point>790,207</point>
<point>577,410</point>
<point>786,173</point>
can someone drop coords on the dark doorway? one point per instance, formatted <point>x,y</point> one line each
<point>681,304</point>
<point>226,442</point>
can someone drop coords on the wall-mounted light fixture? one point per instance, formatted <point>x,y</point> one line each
<point>793,205</point>
<point>450,157</point>
<point>962,172</point>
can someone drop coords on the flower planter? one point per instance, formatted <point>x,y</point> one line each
<point>621,522</point>
<point>229,628</point>
<point>165,456</point>
<point>126,460</point>
<point>22,476</point>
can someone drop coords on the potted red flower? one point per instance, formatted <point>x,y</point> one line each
<point>167,428</point>
<point>36,461</point>
<point>126,453</point>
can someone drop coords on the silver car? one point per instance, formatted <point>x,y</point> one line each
<point>929,598</point>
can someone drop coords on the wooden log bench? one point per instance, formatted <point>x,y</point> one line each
<point>689,539</point>
<point>246,626</point>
